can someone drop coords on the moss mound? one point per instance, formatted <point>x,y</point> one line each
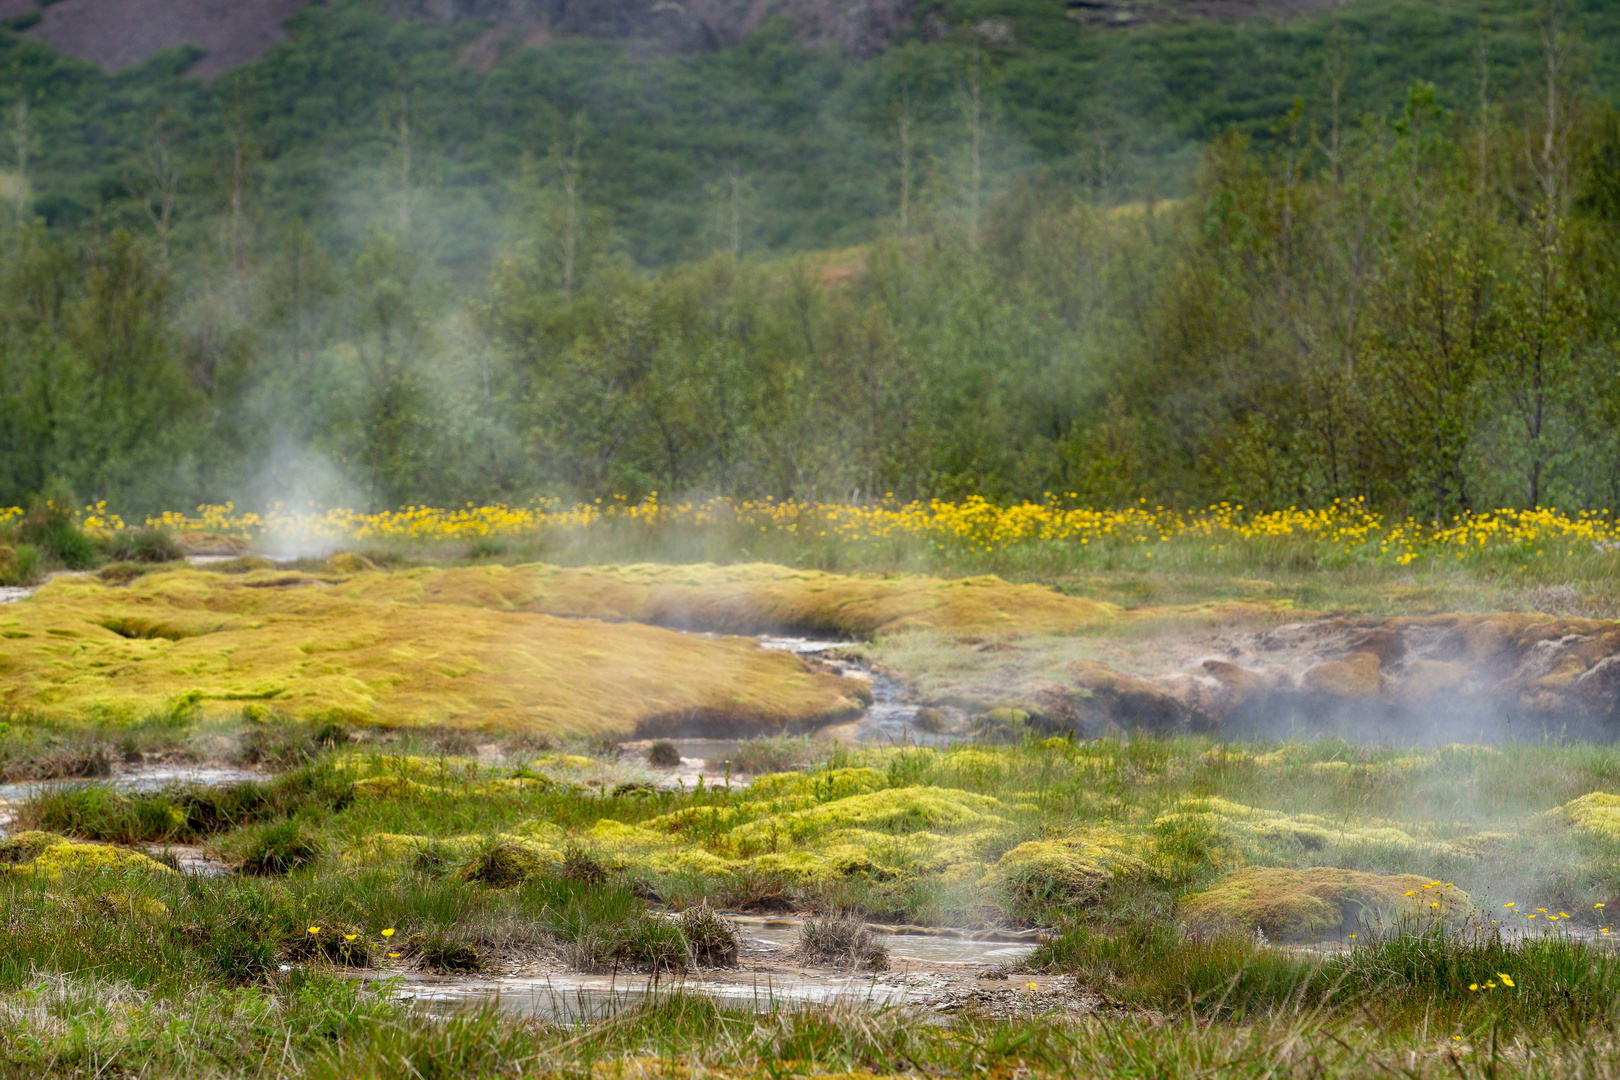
<point>67,857</point>
<point>1295,905</point>
<point>1597,814</point>
<point>508,863</point>
<point>1076,869</point>
<point>26,846</point>
<point>757,597</point>
<point>388,648</point>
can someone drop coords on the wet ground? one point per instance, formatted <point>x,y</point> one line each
<point>930,970</point>
<point>893,719</point>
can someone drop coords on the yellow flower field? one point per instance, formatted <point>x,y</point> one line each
<point>1346,530</point>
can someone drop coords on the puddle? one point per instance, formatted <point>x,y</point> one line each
<point>12,593</point>
<point>581,998</point>
<point>939,946</point>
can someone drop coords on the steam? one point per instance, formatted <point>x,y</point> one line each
<point>298,480</point>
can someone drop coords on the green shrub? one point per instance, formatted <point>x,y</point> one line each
<point>777,753</point>
<point>182,814</point>
<point>19,565</point>
<point>280,848</point>
<point>142,546</point>
<point>843,940</point>
<point>664,754</point>
<point>509,863</point>
<point>652,942</point>
<point>709,936</point>
<point>440,949</point>
<point>337,943</point>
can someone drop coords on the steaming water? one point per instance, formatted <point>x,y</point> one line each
<point>940,946</point>
<point>574,998</point>
<point>581,998</point>
<point>890,719</point>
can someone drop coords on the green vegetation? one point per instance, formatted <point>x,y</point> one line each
<point>205,952</point>
<point>1391,300</point>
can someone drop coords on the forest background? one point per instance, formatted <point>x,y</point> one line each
<point>1368,252</point>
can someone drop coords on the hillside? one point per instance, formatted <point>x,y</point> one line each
<point>800,112</point>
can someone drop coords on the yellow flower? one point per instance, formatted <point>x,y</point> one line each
<point>1597,905</point>
<point>1473,986</point>
<point>388,932</point>
<point>1434,903</point>
<point>1506,980</point>
<point>1542,910</point>
<point>1352,937</point>
<point>393,956</point>
<point>1412,893</point>
<point>314,929</point>
<point>1032,986</point>
<point>350,937</point>
<point>1507,905</point>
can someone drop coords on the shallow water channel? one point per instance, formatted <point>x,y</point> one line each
<point>768,944</point>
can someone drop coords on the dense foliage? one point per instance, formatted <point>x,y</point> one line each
<point>359,271</point>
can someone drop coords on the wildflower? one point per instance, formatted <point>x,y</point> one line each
<point>1506,980</point>
<point>1412,893</point>
<point>350,937</point>
<point>1490,986</point>
<point>1434,903</point>
<point>388,932</point>
<point>314,929</point>
<point>1507,905</point>
<point>1542,910</point>
<point>1597,905</point>
<point>1473,986</point>
<point>1032,986</point>
<point>1563,914</point>
<point>1352,937</point>
<point>393,956</point>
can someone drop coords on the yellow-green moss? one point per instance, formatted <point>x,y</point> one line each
<point>1258,835</point>
<point>1597,813</point>
<point>1075,867</point>
<point>68,857</point>
<point>25,846</point>
<point>754,597</point>
<point>386,648</point>
<point>1304,904</point>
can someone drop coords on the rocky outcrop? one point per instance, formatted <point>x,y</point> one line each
<point>1439,678</point>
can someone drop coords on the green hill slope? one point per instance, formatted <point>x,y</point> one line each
<point>809,138</point>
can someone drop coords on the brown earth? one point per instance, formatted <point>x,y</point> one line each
<point>1456,676</point>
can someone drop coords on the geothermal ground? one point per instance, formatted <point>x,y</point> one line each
<point>890,823</point>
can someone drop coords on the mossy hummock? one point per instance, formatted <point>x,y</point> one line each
<point>388,649</point>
